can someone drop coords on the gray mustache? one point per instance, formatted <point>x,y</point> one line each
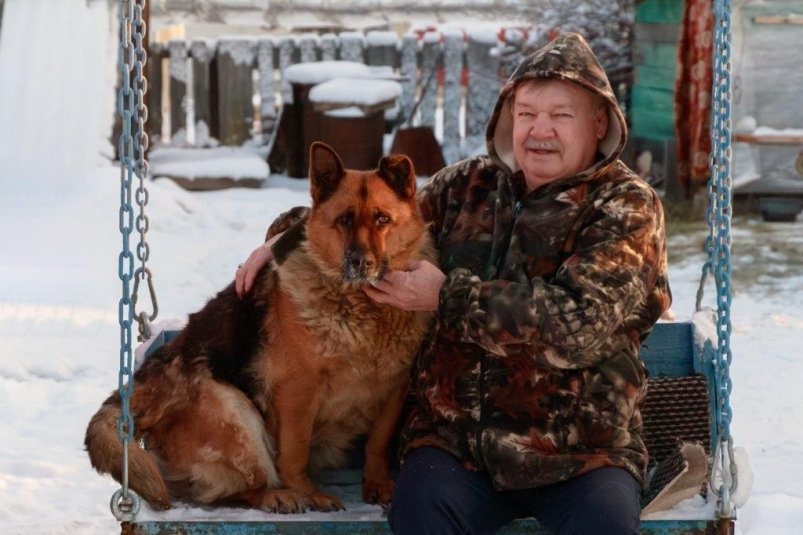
<point>534,144</point>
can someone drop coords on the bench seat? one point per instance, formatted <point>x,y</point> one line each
<point>672,350</point>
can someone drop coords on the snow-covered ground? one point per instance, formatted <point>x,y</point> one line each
<point>59,289</point>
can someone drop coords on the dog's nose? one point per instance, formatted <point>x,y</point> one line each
<point>357,264</point>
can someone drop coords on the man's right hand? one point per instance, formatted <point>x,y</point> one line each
<point>248,270</point>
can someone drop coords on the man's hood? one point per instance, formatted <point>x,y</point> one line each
<point>566,58</point>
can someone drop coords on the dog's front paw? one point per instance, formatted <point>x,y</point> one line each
<point>379,492</point>
<point>325,502</point>
<point>284,501</point>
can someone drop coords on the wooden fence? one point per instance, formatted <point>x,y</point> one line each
<point>231,88</point>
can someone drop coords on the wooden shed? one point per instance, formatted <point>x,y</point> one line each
<point>768,108</point>
<point>655,50</point>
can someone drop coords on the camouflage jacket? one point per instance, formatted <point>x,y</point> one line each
<point>532,371</point>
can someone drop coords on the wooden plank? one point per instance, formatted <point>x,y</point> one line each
<point>653,125</point>
<point>352,46</point>
<point>154,95</point>
<point>658,54</point>
<point>484,83</point>
<point>769,139</point>
<point>431,61</point>
<point>202,53</point>
<point>267,106</point>
<point>329,45</point>
<point>652,99</point>
<point>308,48</point>
<point>657,33</point>
<point>287,56</point>
<point>408,69</point>
<point>453,61</point>
<point>771,15</point>
<point>381,48</point>
<point>779,20</point>
<point>660,11</point>
<point>178,85</point>
<point>656,77</point>
<point>235,61</point>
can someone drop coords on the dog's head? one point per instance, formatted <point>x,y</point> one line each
<point>363,223</point>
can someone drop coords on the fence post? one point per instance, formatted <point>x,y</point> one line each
<point>178,87</point>
<point>381,48</point>
<point>202,52</point>
<point>408,68</point>
<point>510,54</point>
<point>328,47</point>
<point>286,47</point>
<point>267,98</point>
<point>452,93</point>
<point>483,82</point>
<point>154,125</point>
<point>235,62</point>
<point>351,46</point>
<point>308,44</point>
<point>430,62</point>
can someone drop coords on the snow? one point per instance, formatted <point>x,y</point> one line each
<point>231,162</point>
<point>311,73</point>
<point>355,92</point>
<point>59,289</point>
<point>381,38</point>
<point>431,37</point>
<point>241,49</point>
<point>769,131</point>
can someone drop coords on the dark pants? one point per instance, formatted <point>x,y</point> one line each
<point>436,495</point>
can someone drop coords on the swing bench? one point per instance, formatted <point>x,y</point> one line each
<point>687,362</point>
<point>677,407</point>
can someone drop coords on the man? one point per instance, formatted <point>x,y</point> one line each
<point>552,271</point>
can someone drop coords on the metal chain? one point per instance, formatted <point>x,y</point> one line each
<point>140,89</point>
<point>124,503</point>
<point>724,464</point>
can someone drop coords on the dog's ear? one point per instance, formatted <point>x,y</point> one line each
<point>397,171</point>
<point>325,171</point>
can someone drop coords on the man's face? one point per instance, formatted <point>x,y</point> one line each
<point>556,128</point>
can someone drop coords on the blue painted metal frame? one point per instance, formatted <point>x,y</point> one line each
<point>670,351</point>
<point>518,527</point>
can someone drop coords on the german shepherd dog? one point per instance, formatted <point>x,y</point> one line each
<point>257,393</point>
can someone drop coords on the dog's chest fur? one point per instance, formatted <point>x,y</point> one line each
<point>360,351</point>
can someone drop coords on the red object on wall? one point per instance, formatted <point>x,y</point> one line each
<point>693,93</point>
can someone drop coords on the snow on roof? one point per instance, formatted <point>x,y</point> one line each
<point>315,72</point>
<point>365,92</point>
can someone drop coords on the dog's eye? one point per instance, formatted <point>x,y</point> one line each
<point>345,220</point>
<point>382,220</point>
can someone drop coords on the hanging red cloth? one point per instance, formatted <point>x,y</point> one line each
<point>693,93</point>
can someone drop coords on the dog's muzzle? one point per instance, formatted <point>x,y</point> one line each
<point>359,267</point>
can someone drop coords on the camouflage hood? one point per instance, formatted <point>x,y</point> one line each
<point>569,57</point>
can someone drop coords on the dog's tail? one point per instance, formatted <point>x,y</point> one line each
<point>106,455</point>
